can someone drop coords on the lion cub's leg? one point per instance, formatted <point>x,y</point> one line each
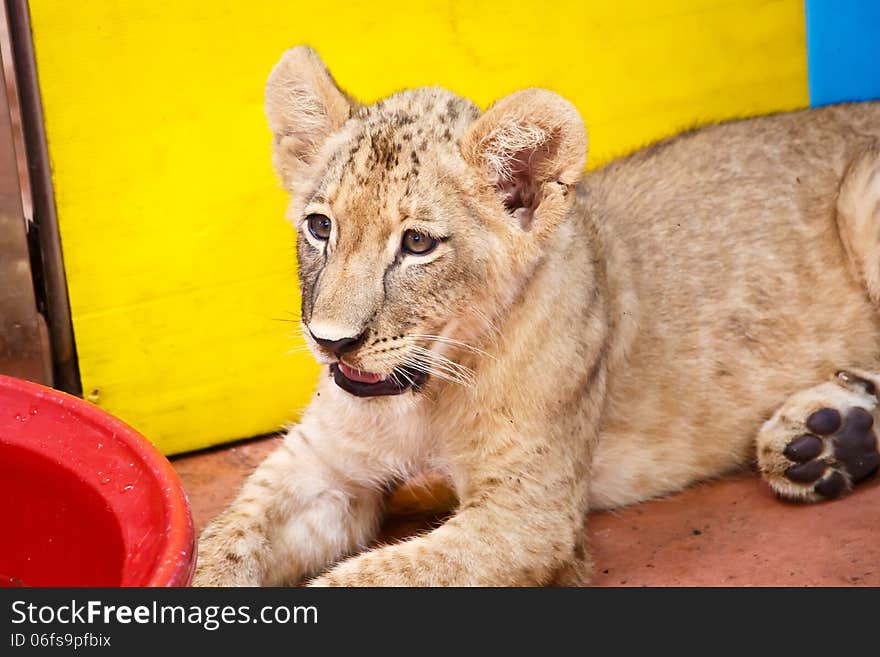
<point>858,217</point>
<point>822,441</point>
<point>579,569</point>
<point>311,502</point>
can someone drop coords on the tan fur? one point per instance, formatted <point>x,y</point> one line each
<point>594,341</point>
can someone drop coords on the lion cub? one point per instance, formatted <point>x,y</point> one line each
<point>556,343</point>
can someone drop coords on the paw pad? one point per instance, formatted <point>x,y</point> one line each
<point>831,486</point>
<point>824,421</point>
<point>855,445</point>
<point>805,472</point>
<point>805,448</point>
<point>849,447</point>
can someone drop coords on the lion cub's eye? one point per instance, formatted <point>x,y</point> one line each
<point>319,226</point>
<point>418,243</point>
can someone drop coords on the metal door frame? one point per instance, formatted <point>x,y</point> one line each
<point>44,312</point>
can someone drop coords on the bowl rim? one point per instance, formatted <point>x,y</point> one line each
<point>170,569</point>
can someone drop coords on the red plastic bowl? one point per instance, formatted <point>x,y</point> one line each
<point>85,500</point>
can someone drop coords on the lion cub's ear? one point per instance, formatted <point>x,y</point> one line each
<point>532,146</point>
<point>304,107</point>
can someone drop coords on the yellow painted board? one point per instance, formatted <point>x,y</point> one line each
<point>180,266</point>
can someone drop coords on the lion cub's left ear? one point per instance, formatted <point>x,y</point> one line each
<point>532,146</point>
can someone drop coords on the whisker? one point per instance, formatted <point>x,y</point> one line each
<point>442,360</point>
<point>405,376</point>
<point>441,372</point>
<point>493,328</point>
<point>394,378</point>
<point>492,332</point>
<point>419,366</point>
<point>462,374</point>
<point>450,341</point>
<point>446,365</point>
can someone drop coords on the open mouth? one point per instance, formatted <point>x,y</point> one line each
<point>369,384</point>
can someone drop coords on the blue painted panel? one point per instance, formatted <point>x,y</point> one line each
<point>843,50</point>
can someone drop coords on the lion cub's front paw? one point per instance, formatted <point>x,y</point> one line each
<point>222,562</point>
<point>213,571</point>
<point>822,441</point>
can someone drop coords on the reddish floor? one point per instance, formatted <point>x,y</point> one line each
<point>731,532</point>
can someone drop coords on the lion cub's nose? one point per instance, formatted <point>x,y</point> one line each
<point>340,346</point>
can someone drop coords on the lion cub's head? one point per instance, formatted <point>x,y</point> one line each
<point>419,217</point>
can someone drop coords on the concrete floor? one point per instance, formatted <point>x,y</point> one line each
<point>730,532</point>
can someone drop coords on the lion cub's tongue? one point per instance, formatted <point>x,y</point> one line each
<point>358,375</point>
